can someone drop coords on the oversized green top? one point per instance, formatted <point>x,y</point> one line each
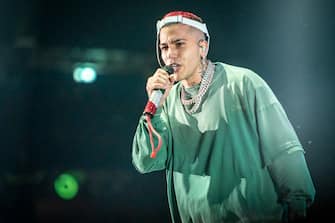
<point>237,159</point>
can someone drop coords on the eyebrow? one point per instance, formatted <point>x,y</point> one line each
<point>172,41</point>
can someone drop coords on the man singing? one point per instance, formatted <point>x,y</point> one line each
<point>229,151</point>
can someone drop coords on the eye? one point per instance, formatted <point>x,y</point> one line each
<point>179,44</point>
<point>163,48</point>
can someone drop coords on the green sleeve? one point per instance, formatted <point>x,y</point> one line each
<point>293,183</point>
<point>282,152</point>
<point>142,148</point>
<point>276,133</point>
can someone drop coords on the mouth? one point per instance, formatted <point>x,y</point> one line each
<point>175,66</point>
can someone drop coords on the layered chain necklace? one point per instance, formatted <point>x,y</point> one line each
<point>196,99</point>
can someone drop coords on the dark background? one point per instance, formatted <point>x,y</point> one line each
<point>50,124</point>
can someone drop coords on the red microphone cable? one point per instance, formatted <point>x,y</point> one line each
<point>149,111</point>
<point>154,149</point>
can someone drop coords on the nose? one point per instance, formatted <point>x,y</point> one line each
<point>171,53</point>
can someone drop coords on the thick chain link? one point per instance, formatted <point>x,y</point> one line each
<point>196,100</point>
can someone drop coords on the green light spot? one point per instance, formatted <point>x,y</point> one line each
<point>84,74</point>
<point>66,186</point>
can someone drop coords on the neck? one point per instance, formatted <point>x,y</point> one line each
<point>196,78</point>
<point>191,81</point>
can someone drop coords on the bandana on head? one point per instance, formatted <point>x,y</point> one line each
<point>182,17</point>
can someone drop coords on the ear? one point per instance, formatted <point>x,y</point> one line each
<point>203,48</point>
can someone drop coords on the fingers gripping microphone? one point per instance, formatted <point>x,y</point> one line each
<point>156,96</point>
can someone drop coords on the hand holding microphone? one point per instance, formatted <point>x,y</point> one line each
<point>158,88</point>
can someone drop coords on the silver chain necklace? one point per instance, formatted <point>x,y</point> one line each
<point>196,100</point>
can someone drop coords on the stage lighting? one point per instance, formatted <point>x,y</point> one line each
<point>66,186</point>
<point>84,74</point>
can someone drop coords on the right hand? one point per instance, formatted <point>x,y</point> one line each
<point>160,80</point>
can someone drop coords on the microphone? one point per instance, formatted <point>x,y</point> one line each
<point>156,95</point>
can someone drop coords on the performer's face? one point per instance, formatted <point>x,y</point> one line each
<point>180,47</point>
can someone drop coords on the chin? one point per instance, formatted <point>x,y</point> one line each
<point>177,77</point>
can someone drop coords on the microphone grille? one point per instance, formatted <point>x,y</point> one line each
<point>168,69</point>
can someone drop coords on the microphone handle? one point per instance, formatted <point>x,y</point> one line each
<point>155,97</point>
<point>153,102</point>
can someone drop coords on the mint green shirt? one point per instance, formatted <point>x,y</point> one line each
<point>224,163</point>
